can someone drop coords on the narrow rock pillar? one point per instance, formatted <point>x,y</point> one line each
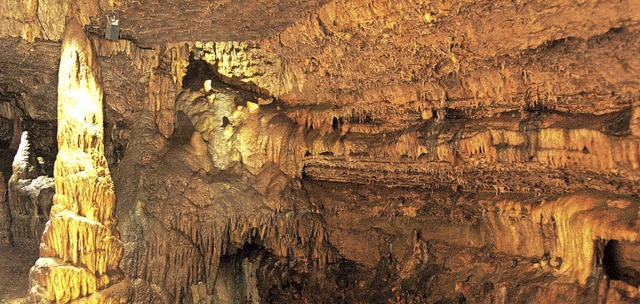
<point>80,249</point>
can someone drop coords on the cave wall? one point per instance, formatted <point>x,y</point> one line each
<point>357,146</point>
<point>46,19</point>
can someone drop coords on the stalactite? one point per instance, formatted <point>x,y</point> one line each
<point>193,250</point>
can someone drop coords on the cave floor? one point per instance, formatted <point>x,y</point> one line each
<point>15,263</point>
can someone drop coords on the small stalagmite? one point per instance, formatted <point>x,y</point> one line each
<point>80,249</point>
<point>29,196</point>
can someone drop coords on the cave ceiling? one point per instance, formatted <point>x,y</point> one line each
<point>385,55</point>
<point>391,144</point>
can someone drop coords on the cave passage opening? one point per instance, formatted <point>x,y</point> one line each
<point>198,71</point>
<point>237,279</point>
<point>616,263</point>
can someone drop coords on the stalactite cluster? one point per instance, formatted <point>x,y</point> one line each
<point>351,151</point>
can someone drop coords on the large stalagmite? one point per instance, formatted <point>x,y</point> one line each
<point>80,249</point>
<point>340,151</point>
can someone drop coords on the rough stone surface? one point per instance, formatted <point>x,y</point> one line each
<point>352,151</point>
<point>29,196</point>
<point>6,237</point>
<point>46,19</point>
<point>80,250</point>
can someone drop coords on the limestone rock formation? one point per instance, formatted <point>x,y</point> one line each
<point>570,228</point>
<point>29,196</point>
<point>80,249</point>
<point>337,151</point>
<point>218,220</point>
<point>38,19</point>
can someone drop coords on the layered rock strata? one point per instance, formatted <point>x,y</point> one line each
<point>486,119</point>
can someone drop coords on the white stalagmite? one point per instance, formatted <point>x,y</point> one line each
<point>80,251</point>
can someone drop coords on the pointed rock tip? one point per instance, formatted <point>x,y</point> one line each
<point>73,29</point>
<point>79,65</point>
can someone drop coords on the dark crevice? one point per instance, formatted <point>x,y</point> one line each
<point>335,124</point>
<point>197,72</point>
<point>183,128</point>
<point>614,265</point>
<point>225,121</point>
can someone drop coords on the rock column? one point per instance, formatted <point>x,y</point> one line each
<point>80,249</point>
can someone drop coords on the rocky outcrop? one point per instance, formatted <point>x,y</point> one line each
<point>571,231</point>
<point>29,73</point>
<point>158,22</point>
<point>45,19</point>
<point>30,204</point>
<point>80,250</point>
<point>29,195</point>
<point>215,215</point>
<point>456,153</point>
<point>442,55</point>
<point>345,151</point>
<point>434,245</point>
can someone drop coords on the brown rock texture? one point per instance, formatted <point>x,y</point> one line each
<point>575,224</point>
<point>186,254</point>
<point>29,196</point>
<point>335,151</point>
<point>45,19</point>
<point>6,237</point>
<point>80,249</point>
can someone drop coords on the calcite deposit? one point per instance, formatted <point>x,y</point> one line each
<point>325,151</point>
<point>80,250</point>
<point>29,195</point>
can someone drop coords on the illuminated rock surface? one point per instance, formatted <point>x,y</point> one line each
<point>348,151</point>
<point>29,196</point>
<point>80,250</point>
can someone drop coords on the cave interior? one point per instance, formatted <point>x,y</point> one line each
<point>320,151</point>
